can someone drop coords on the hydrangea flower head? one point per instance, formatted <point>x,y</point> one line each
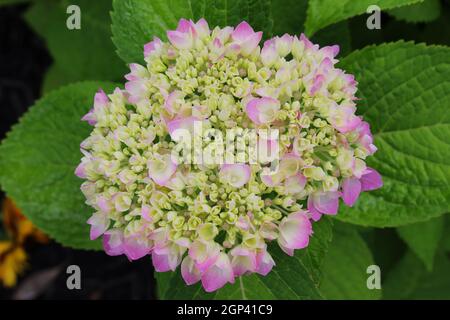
<point>218,146</point>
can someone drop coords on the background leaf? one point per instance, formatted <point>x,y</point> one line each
<point>345,265</point>
<point>322,13</point>
<point>136,22</point>
<point>405,94</point>
<point>85,54</point>
<point>426,11</point>
<point>288,16</point>
<point>295,277</point>
<point>423,238</point>
<point>410,280</point>
<point>38,159</point>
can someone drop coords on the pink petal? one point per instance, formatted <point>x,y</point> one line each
<point>351,188</point>
<point>137,72</point>
<point>166,258</point>
<point>136,248</point>
<point>189,271</point>
<point>237,174</point>
<point>269,53</point>
<point>204,254</point>
<point>262,110</point>
<point>295,231</point>
<point>152,46</point>
<point>264,262</point>
<point>80,171</point>
<point>160,262</point>
<point>90,118</point>
<point>243,261</point>
<point>113,242</point>
<point>325,202</point>
<point>161,170</point>
<point>217,275</point>
<point>242,32</point>
<point>251,43</point>
<point>202,28</point>
<point>145,213</point>
<point>181,127</point>
<point>295,184</point>
<point>180,40</point>
<point>100,99</point>
<point>99,222</point>
<point>184,26</point>
<point>103,204</point>
<point>371,180</point>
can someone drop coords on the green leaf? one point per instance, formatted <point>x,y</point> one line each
<point>295,277</point>
<point>288,16</point>
<point>404,92</point>
<point>423,238</point>
<point>38,159</point>
<point>335,34</point>
<point>230,13</point>
<point>410,280</point>
<point>85,54</point>
<point>322,13</point>
<point>345,265</point>
<point>446,237</point>
<point>136,22</point>
<point>426,11</point>
<point>55,78</point>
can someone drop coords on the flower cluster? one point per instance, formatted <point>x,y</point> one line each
<point>216,219</point>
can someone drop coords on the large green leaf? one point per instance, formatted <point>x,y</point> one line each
<point>405,94</point>
<point>295,277</point>
<point>423,238</point>
<point>136,22</point>
<point>426,11</point>
<point>85,54</point>
<point>345,266</point>
<point>322,13</point>
<point>288,16</point>
<point>38,159</point>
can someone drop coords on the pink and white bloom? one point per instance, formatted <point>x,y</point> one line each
<point>189,271</point>
<point>263,110</point>
<point>153,47</point>
<point>269,53</point>
<point>99,222</point>
<point>236,175</point>
<point>243,260</point>
<point>101,101</point>
<point>295,231</point>
<point>161,169</point>
<point>218,274</point>
<point>246,38</point>
<point>204,253</point>
<point>215,220</point>
<point>264,262</point>
<point>183,37</point>
<point>323,203</point>
<point>113,241</point>
<point>343,117</point>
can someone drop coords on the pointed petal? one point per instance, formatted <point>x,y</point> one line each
<point>371,180</point>
<point>217,275</point>
<point>351,188</point>
<point>189,271</point>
